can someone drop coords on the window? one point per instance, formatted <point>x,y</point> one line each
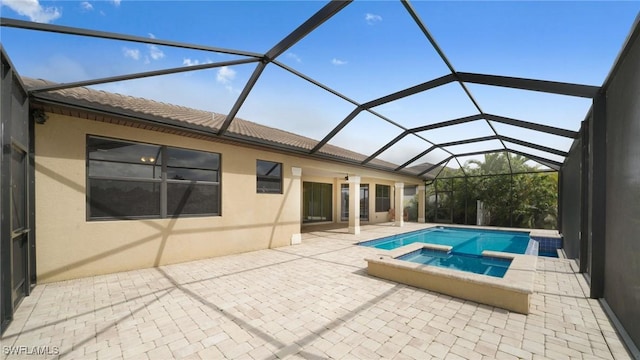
<point>268,177</point>
<point>134,180</point>
<point>383,198</point>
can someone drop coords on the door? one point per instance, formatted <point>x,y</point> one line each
<point>19,224</point>
<point>17,186</point>
<point>364,202</point>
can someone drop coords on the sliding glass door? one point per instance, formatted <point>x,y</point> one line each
<point>317,202</point>
<point>364,202</point>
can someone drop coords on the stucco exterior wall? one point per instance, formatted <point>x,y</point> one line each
<point>69,246</point>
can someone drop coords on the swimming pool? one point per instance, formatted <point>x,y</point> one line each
<point>485,265</point>
<point>466,241</point>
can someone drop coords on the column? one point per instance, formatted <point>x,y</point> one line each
<point>296,190</point>
<point>354,204</point>
<point>421,198</point>
<point>399,206</point>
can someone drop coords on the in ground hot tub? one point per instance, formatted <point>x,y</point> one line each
<point>498,279</point>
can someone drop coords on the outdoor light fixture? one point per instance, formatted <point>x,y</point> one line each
<point>39,116</point>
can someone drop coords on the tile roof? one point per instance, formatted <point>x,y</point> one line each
<point>205,121</point>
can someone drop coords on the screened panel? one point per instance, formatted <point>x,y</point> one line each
<point>475,147</point>
<point>434,157</point>
<point>479,37</point>
<point>542,108</point>
<point>19,206</point>
<point>378,133</point>
<point>214,90</point>
<point>287,102</point>
<point>535,152</point>
<point>471,129</point>
<point>346,53</point>
<point>404,150</point>
<point>533,136</point>
<point>442,103</point>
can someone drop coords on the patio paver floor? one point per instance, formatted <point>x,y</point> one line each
<point>310,301</point>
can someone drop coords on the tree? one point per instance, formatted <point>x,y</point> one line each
<point>520,200</point>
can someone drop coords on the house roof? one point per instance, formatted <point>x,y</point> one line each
<point>193,119</point>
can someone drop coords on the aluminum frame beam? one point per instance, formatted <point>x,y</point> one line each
<point>532,126</point>
<point>534,146</point>
<point>242,97</point>
<point>317,19</point>
<point>139,75</point>
<point>383,100</point>
<point>544,161</point>
<point>415,158</point>
<point>115,36</point>
<point>428,85</point>
<point>296,35</point>
<point>552,87</point>
<point>438,49</point>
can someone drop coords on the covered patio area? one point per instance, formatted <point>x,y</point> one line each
<point>308,301</point>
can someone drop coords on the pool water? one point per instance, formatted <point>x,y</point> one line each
<point>484,265</point>
<point>465,241</point>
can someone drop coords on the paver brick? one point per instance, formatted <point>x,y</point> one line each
<point>218,309</point>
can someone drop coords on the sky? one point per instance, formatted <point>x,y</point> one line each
<point>368,50</point>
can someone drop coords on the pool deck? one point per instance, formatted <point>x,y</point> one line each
<point>307,301</point>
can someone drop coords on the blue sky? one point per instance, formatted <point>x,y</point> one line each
<point>368,50</point>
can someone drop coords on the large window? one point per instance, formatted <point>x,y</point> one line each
<point>129,180</point>
<point>383,198</point>
<point>268,177</point>
<point>317,200</point>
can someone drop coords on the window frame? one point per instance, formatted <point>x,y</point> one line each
<point>382,198</point>
<point>280,178</point>
<point>163,182</point>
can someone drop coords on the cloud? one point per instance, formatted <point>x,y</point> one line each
<point>116,2</point>
<point>131,53</point>
<point>33,10</point>
<point>338,62</point>
<point>155,52</point>
<point>189,62</point>
<point>293,56</point>
<point>372,18</point>
<point>225,75</point>
<point>85,5</point>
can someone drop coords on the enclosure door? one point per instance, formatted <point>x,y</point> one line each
<point>19,225</point>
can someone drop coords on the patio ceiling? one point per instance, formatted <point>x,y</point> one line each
<point>423,145</point>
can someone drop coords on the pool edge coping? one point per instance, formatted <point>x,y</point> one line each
<point>519,280</point>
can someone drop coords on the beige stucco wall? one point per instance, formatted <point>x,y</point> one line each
<point>69,246</point>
